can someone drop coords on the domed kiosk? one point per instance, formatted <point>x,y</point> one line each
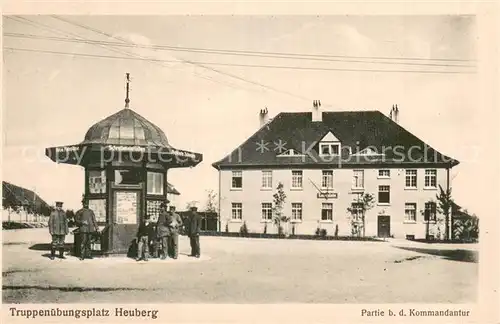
<point>126,159</point>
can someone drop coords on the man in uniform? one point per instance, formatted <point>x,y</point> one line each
<point>87,226</point>
<point>193,231</point>
<point>162,230</point>
<point>174,222</point>
<point>58,229</point>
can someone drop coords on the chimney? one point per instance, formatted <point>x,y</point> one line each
<point>394,114</point>
<point>263,117</point>
<point>317,114</point>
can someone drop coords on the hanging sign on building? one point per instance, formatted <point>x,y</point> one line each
<point>126,207</point>
<point>327,195</point>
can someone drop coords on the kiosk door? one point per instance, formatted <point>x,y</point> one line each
<point>126,218</point>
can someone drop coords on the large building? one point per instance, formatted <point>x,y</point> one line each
<point>327,162</point>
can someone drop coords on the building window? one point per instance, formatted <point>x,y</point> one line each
<point>97,182</point>
<point>357,211</point>
<point>384,194</point>
<point>327,212</point>
<point>329,148</point>
<point>267,179</point>
<point>296,211</point>
<point>430,211</point>
<point>358,179</point>
<point>411,179</point>
<point>430,178</point>
<point>297,179</point>
<point>237,211</point>
<point>327,179</point>
<point>237,180</point>
<point>410,212</point>
<point>128,177</point>
<point>267,211</point>
<point>384,173</point>
<point>155,183</point>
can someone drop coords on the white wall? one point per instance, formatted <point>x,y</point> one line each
<point>252,195</point>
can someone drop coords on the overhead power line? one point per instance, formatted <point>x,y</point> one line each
<point>190,62</point>
<point>294,54</point>
<point>165,48</point>
<point>120,51</point>
<point>240,65</point>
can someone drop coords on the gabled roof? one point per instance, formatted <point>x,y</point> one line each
<point>20,196</point>
<point>356,130</point>
<point>171,189</point>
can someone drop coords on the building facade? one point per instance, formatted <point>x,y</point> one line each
<point>326,163</point>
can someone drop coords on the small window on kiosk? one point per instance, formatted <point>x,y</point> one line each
<point>127,177</point>
<point>98,206</point>
<point>153,209</point>
<point>97,181</point>
<point>155,183</point>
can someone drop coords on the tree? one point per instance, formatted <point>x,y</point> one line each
<point>279,201</point>
<point>445,202</point>
<point>358,210</point>
<point>465,226</point>
<point>430,216</point>
<point>211,205</point>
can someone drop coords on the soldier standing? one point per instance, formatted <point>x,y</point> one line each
<point>193,231</point>
<point>87,226</point>
<point>58,229</point>
<point>174,222</point>
<point>162,230</point>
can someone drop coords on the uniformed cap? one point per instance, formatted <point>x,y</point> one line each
<point>194,208</point>
<point>59,203</point>
<point>172,207</point>
<point>164,204</point>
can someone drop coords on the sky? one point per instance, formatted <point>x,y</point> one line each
<point>52,99</point>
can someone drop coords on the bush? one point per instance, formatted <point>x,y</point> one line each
<point>265,228</point>
<point>280,230</point>
<point>244,229</point>
<point>323,232</point>
<point>293,229</point>
<point>318,231</point>
<point>227,227</point>
<point>336,230</point>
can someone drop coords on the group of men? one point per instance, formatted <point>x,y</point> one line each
<point>164,234</point>
<point>86,222</point>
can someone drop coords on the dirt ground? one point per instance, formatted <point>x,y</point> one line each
<point>238,270</point>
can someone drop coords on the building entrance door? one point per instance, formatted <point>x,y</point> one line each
<point>384,226</point>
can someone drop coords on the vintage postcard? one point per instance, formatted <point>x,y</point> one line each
<point>308,166</point>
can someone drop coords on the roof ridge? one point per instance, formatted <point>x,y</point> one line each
<point>271,121</point>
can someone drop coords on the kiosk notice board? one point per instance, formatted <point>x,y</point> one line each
<point>126,219</point>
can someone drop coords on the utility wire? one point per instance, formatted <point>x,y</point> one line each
<point>160,47</point>
<point>137,56</point>
<point>300,54</point>
<point>240,65</point>
<point>125,41</point>
<point>190,62</point>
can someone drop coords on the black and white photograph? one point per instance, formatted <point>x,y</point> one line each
<point>243,159</point>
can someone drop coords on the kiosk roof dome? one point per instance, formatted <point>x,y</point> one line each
<point>126,127</point>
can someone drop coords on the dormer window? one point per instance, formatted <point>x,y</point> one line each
<point>329,145</point>
<point>329,148</point>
